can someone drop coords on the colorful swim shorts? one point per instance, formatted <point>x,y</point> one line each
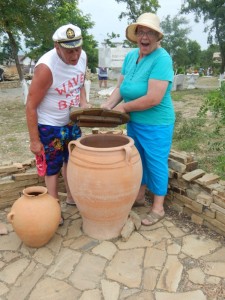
<point>55,140</point>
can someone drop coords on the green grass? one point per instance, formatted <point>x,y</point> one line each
<point>201,135</point>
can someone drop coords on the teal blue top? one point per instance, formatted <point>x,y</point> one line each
<point>157,65</point>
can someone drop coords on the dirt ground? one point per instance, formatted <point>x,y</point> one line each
<point>14,139</point>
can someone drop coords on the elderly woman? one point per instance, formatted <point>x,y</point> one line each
<point>145,84</point>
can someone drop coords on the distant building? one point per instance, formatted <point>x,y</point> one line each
<point>217,57</point>
<point>112,58</point>
<point>27,64</point>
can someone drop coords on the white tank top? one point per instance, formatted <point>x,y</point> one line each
<point>64,91</point>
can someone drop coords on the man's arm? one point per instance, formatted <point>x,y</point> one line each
<point>40,84</point>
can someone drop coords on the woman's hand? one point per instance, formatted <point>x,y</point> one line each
<point>120,107</point>
<point>105,106</point>
<point>86,105</point>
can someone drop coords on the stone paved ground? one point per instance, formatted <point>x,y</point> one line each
<point>172,260</point>
<point>167,261</point>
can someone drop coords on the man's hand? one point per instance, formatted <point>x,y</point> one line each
<point>36,147</point>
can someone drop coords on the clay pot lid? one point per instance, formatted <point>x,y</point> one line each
<point>97,117</point>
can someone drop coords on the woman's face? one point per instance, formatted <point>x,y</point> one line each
<point>147,40</point>
<point>68,56</point>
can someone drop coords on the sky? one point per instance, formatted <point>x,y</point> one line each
<point>105,16</point>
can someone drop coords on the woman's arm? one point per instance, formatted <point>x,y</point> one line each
<point>115,97</point>
<point>156,91</point>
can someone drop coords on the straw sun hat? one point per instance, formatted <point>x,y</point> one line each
<point>147,19</point>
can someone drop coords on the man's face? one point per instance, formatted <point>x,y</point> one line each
<point>68,56</point>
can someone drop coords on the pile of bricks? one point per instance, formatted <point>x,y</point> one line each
<point>195,193</point>
<point>10,84</point>
<point>15,177</point>
<point>191,190</point>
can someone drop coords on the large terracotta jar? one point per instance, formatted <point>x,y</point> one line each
<point>104,175</point>
<point>35,216</point>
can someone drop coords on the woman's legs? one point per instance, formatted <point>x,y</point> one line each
<point>157,206</point>
<point>157,211</point>
<point>153,144</point>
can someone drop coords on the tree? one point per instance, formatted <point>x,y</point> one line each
<point>137,7</point>
<point>194,52</point>
<point>206,58</point>
<point>6,55</point>
<point>36,21</point>
<point>213,11</point>
<point>108,41</point>
<point>175,39</point>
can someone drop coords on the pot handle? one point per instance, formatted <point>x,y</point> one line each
<point>128,151</point>
<point>10,217</point>
<point>71,143</point>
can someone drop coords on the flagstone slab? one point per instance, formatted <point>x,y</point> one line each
<point>10,242</point>
<point>44,256</point>
<point>55,243</point>
<point>173,249</point>
<point>193,295</point>
<point>198,246</point>
<point>150,279</point>
<point>64,264</point>
<point>175,231</point>
<point>154,258</point>
<point>171,275</point>
<point>142,296</point>
<point>156,235</point>
<point>196,276</point>
<point>3,288</point>
<point>50,288</point>
<point>217,256</point>
<point>122,266</point>
<point>12,271</point>
<point>110,290</point>
<point>88,272</point>
<point>106,249</point>
<point>215,269</point>
<point>125,293</point>
<point>26,282</point>
<point>91,295</point>
<point>136,240</point>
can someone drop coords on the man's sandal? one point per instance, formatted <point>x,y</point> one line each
<point>61,222</point>
<point>69,202</point>
<point>152,218</point>
<point>139,203</point>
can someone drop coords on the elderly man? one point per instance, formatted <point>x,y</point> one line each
<point>58,84</point>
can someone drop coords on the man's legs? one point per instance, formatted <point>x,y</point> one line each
<point>69,199</point>
<point>140,200</point>
<point>52,185</point>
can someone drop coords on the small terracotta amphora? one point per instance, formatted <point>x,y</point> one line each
<point>35,216</point>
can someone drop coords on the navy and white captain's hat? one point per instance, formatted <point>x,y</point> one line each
<point>68,36</point>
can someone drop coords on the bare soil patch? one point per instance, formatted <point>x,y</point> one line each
<point>14,139</point>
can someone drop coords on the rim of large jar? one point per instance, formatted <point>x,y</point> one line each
<point>129,144</point>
